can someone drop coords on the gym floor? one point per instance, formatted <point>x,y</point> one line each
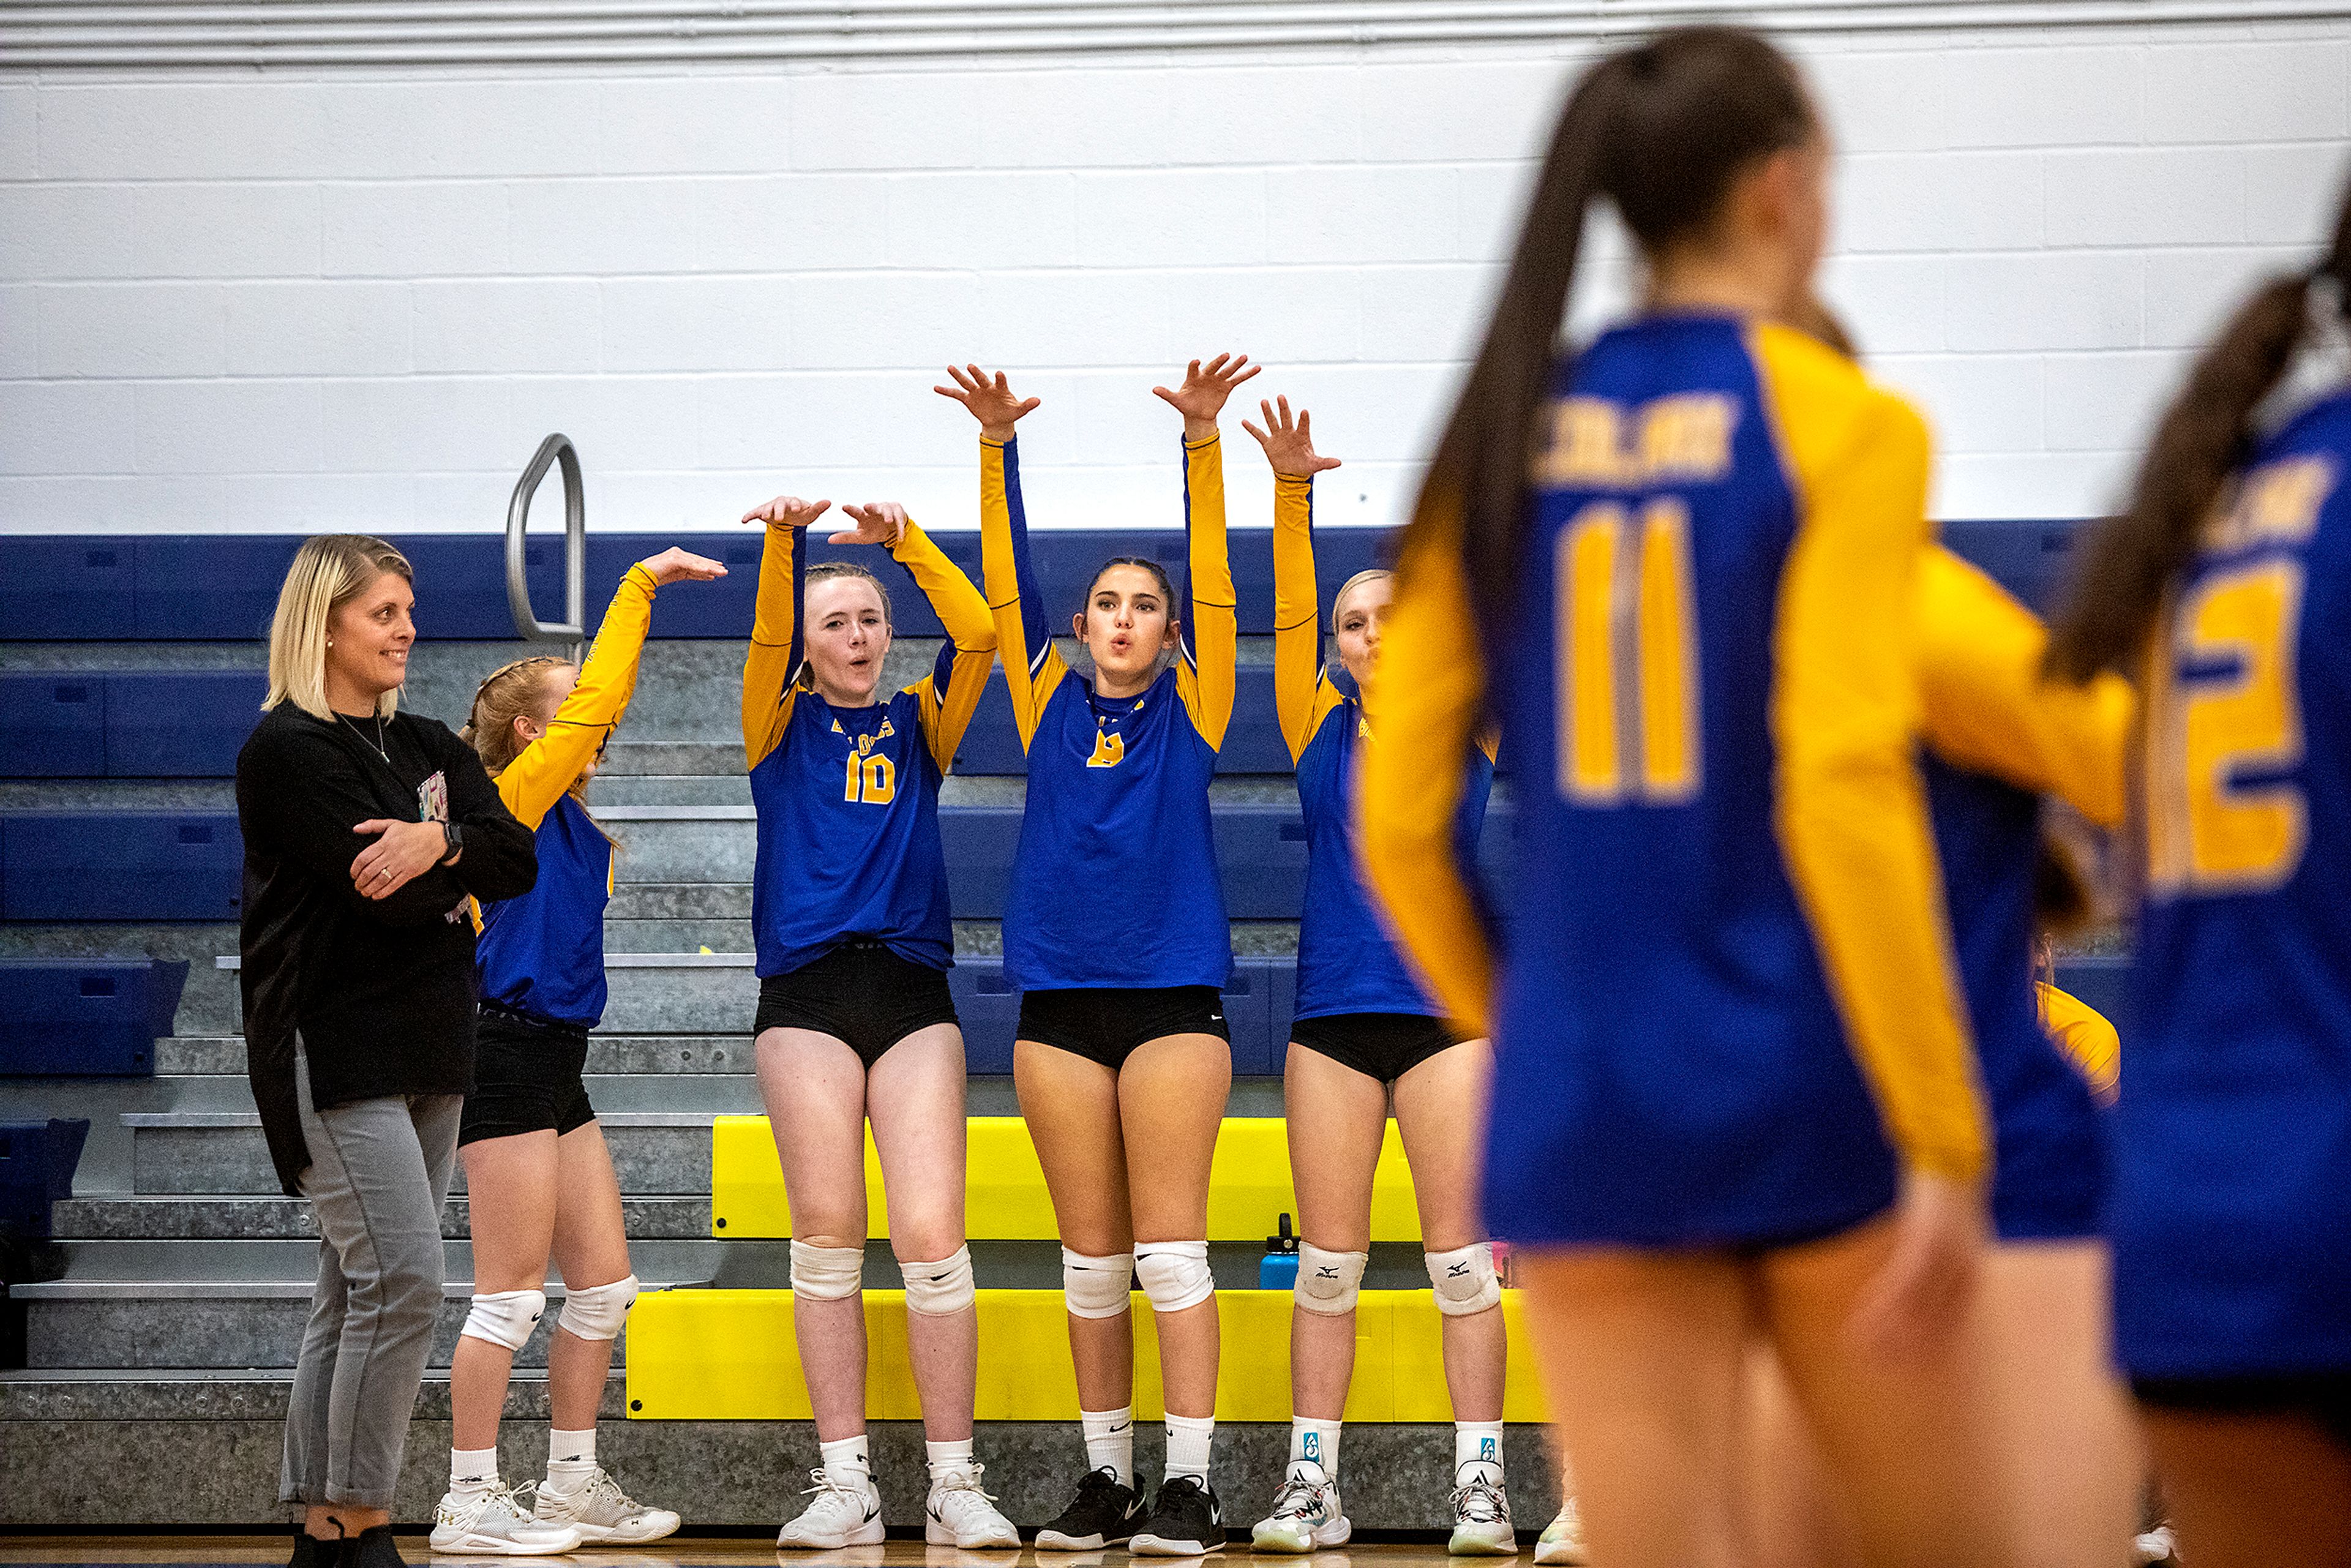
<point>682,1552</point>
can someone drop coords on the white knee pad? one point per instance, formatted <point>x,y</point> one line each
<point>504,1317</point>
<point>827,1274</point>
<point>1175,1274</point>
<point>942,1289</point>
<point>1096,1287</point>
<point>1465,1280</point>
<point>1328,1282</point>
<point>598,1311</point>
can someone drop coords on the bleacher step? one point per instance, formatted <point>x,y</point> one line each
<point>230,1218</point>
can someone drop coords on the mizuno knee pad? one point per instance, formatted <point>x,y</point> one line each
<point>1096,1287</point>
<point>1465,1280</point>
<point>942,1289</point>
<point>1175,1274</point>
<point>504,1317</point>
<point>598,1311</point>
<point>1328,1282</point>
<point>827,1274</point>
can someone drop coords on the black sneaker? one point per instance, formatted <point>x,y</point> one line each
<point>1104,1513</point>
<point>309,1552</point>
<point>371,1549</point>
<point>1185,1520</point>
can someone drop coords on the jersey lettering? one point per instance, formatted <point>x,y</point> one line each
<point>872,780</point>
<point>1628,721</point>
<point>1110,749</point>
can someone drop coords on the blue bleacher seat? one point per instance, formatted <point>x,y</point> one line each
<point>205,588</point>
<point>1253,742</point>
<point>2028,558</point>
<point>120,865</point>
<point>86,1018</point>
<point>179,725</point>
<point>52,725</point>
<point>64,587</point>
<point>36,1168</point>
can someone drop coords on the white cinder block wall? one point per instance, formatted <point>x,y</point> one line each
<point>313,298</point>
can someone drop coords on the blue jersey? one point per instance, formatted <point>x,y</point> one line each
<point>2231,1209</point>
<point>848,798</point>
<point>1726,1002</point>
<point>542,955</point>
<point>1115,880</point>
<point>1346,962</point>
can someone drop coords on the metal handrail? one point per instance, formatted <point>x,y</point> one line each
<point>555,448</point>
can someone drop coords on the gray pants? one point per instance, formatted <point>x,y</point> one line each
<point>379,1173</point>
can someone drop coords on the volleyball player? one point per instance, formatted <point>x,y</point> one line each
<point>2224,583</point>
<point>1734,1091</point>
<point>1114,933</point>
<point>849,911</point>
<point>1366,1036</point>
<point>539,1178</point>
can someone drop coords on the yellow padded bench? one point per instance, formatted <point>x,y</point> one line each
<point>1005,1199</point>
<point>730,1356</point>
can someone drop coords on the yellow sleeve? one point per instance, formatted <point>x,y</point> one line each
<point>1851,808</point>
<point>1210,653</point>
<point>535,780</point>
<point>1303,696</point>
<point>775,657</point>
<point>1425,706</point>
<point>2085,1036</point>
<point>1989,708</point>
<point>1033,669</point>
<point>950,694</point>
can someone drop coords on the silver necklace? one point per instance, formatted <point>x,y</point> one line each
<point>378,742</point>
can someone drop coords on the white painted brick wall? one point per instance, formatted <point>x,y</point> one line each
<point>302,300</point>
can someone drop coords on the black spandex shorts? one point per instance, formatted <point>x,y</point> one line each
<point>861,993</point>
<point>1385,1046</point>
<point>2323,1397</point>
<point>526,1077</point>
<point>1105,1024</point>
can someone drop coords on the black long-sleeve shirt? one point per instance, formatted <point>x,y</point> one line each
<point>383,990</point>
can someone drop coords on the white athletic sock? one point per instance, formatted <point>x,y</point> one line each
<point>1188,1438</point>
<point>846,1462</point>
<point>570,1460</point>
<point>1110,1441</point>
<point>473,1470</point>
<point>948,1460</point>
<point>1477,1443</point>
<point>1317,1442</point>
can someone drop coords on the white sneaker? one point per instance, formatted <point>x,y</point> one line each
<point>1563,1538</point>
<point>840,1516</point>
<point>2157,1545</point>
<point>605,1515</point>
<point>957,1513</point>
<point>1481,1515</point>
<point>1307,1514</point>
<point>494,1523</point>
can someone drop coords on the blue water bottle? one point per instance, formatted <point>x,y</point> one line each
<point>1279,1269</point>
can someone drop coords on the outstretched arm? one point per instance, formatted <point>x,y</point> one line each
<point>1032,666</point>
<point>774,656</point>
<point>532,783</point>
<point>1210,633</point>
<point>1303,696</point>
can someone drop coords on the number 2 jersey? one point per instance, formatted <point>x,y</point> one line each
<point>1115,880</point>
<point>848,798</point>
<point>2231,1210</point>
<point>1727,1010</point>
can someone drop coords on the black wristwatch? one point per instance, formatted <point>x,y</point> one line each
<point>455,837</point>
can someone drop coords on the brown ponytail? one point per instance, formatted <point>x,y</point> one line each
<point>508,693</point>
<point>2204,437</point>
<point>1661,130</point>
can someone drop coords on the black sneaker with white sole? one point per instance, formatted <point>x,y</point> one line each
<point>1104,1513</point>
<point>1185,1520</point>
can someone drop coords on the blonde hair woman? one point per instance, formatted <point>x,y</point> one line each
<point>365,831</point>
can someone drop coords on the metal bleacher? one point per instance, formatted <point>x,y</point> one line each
<point>131,670</point>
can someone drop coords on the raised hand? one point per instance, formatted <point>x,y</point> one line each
<point>787,512</point>
<point>1206,387</point>
<point>1288,446</point>
<point>990,400</point>
<point>878,523</point>
<point>675,565</point>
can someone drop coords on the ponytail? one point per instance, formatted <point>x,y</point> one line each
<point>1661,130</point>
<point>2204,437</point>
